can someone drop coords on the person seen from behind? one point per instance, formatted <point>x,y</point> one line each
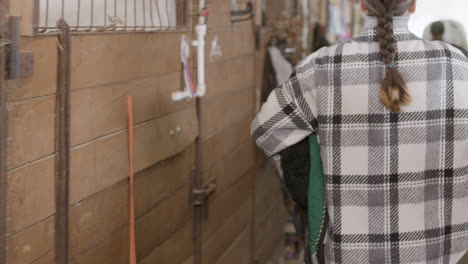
<point>391,114</point>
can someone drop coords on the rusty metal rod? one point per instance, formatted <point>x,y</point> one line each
<point>63,177</point>
<point>3,131</point>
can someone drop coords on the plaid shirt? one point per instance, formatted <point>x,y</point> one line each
<point>396,183</point>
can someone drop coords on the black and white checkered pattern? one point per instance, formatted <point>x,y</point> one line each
<point>397,183</point>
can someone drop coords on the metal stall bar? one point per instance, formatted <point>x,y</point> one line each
<point>63,177</point>
<point>78,15</point>
<point>3,129</point>
<point>91,24</point>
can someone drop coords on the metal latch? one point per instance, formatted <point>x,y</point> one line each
<point>20,64</point>
<point>200,195</point>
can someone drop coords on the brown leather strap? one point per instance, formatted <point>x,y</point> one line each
<point>63,177</point>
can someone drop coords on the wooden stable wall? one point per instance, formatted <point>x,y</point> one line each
<point>245,222</point>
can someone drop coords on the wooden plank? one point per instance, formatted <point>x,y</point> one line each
<point>223,205</point>
<point>31,192</point>
<point>91,222</point>
<point>44,81</point>
<point>101,110</point>
<point>239,251</point>
<point>100,59</point>
<point>96,218</point>
<point>229,75</point>
<point>158,224</point>
<point>113,250</point>
<point>234,43</point>
<point>221,111</point>
<point>32,244</point>
<point>163,179</point>
<point>269,235</point>
<point>232,166</point>
<point>222,143</point>
<point>152,54</point>
<point>154,142</point>
<point>31,130</point>
<point>153,95</point>
<point>176,250</point>
<point>95,112</point>
<point>24,9</point>
<point>268,194</point>
<point>216,246</point>
<point>96,165</point>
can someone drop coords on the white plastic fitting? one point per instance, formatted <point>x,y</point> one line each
<point>179,96</point>
<point>200,29</point>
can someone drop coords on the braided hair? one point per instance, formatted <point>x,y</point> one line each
<point>394,93</point>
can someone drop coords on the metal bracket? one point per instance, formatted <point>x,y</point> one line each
<point>200,195</point>
<point>20,64</point>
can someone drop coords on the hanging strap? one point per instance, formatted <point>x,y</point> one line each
<point>63,177</point>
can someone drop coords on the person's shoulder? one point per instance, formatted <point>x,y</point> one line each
<point>449,50</point>
<point>319,57</point>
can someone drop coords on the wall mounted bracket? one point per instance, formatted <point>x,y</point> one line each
<point>20,64</point>
<point>200,196</point>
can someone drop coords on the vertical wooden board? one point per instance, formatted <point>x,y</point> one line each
<point>97,165</point>
<point>221,144</point>
<point>31,130</point>
<point>32,244</point>
<point>44,81</point>
<point>152,96</point>
<point>222,111</point>
<point>176,250</point>
<point>31,194</point>
<point>153,54</point>
<point>94,219</point>
<point>113,250</point>
<point>99,59</point>
<point>163,179</point>
<point>239,251</point>
<point>229,75</point>
<point>223,205</point>
<point>154,142</point>
<point>216,246</point>
<point>233,166</point>
<point>158,224</point>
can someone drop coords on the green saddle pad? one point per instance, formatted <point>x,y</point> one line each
<point>316,196</point>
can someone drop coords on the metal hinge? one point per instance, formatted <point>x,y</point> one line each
<point>20,64</point>
<point>200,196</point>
